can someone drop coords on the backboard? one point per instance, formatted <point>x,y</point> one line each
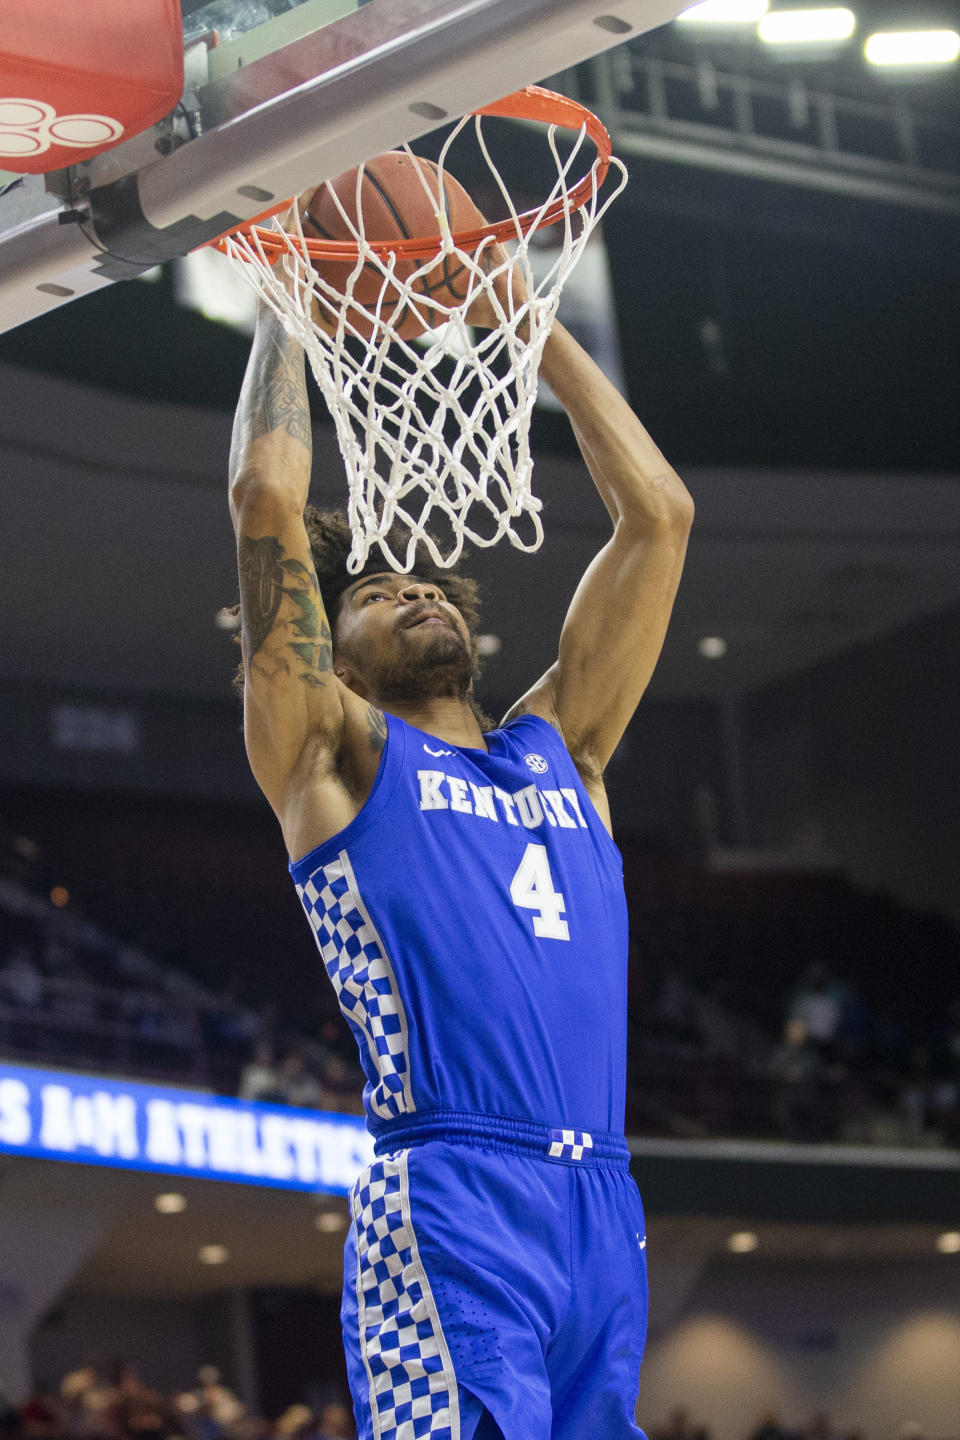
<point>281,94</point>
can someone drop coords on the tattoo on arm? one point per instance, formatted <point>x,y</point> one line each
<point>377,727</point>
<point>268,578</point>
<point>280,400</point>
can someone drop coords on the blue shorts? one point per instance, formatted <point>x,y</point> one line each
<point>495,1283</point>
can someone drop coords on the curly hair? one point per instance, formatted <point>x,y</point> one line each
<point>330,542</point>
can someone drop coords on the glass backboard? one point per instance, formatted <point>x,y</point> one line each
<point>281,94</point>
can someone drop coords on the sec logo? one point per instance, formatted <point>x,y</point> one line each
<point>537,763</point>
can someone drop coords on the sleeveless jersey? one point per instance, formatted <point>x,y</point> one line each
<point>473,922</point>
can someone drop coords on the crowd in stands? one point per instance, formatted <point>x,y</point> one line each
<point>72,994</point>
<point>112,1402</point>
<point>723,1041</point>
<point>838,1072</point>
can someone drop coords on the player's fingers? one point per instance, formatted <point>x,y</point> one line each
<point>508,279</point>
<point>287,219</point>
<point>304,200</point>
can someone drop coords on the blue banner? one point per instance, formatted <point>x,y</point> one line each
<point>58,1115</point>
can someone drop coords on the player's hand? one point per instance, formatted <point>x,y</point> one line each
<point>508,286</point>
<point>289,265</point>
<point>299,206</point>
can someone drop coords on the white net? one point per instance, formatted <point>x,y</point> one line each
<point>434,431</point>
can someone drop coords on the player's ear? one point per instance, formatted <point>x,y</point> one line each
<point>350,676</point>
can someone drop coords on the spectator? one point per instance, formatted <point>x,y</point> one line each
<point>260,1079</point>
<point>216,1399</point>
<point>680,1427</point>
<point>144,1414</point>
<point>88,1397</point>
<point>818,1004</point>
<point>335,1422</point>
<point>800,1107</point>
<point>40,1417</point>
<point>193,1423</point>
<point>771,1429</point>
<point>296,1423</point>
<point>299,1086</point>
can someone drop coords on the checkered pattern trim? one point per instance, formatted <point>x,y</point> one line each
<point>569,1144</point>
<point>363,978</point>
<point>413,1388</point>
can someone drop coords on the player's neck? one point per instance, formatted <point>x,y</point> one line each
<point>445,717</point>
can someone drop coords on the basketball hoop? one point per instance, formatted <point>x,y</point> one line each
<point>436,428</point>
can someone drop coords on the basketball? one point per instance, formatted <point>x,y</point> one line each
<point>399,199</point>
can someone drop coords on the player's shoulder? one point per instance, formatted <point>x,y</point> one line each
<point>528,708</point>
<point>529,725</point>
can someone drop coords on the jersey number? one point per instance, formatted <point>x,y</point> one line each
<point>532,887</point>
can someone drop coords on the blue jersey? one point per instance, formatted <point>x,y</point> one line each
<point>473,922</point>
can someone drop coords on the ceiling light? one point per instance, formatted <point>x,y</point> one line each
<point>488,644</point>
<point>213,1254</point>
<point>170,1203</point>
<point>806,27</point>
<point>330,1222</point>
<point>741,1242</point>
<point>227,619</point>
<point>725,12</point>
<point>949,1242</point>
<point>913,47</point>
<point>712,647</point>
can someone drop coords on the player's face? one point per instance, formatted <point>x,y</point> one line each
<point>405,637</point>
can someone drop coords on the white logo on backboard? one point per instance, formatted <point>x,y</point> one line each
<point>436,752</point>
<point>537,763</point>
<point>29,127</point>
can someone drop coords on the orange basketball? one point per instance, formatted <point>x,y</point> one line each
<point>395,203</point>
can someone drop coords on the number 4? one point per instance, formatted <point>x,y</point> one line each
<point>532,888</point>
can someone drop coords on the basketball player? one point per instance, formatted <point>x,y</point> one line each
<point>467,899</point>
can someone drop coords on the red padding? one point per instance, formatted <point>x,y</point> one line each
<point>77,78</point>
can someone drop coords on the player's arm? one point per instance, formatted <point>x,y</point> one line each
<point>290,691</point>
<point>615,627</point>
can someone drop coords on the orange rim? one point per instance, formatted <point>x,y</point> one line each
<point>531,103</point>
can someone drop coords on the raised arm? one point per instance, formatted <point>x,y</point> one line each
<point>615,627</point>
<point>289,688</point>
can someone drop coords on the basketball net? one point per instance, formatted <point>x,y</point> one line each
<point>434,432</point>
